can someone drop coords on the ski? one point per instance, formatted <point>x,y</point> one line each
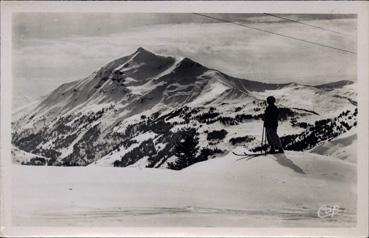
<point>248,154</point>
<point>244,154</point>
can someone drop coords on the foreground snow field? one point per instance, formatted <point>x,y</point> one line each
<point>273,190</point>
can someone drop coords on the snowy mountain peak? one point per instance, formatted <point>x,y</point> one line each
<point>143,51</point>
<point>186,60</point>
<point>189,68</point>
<point>144,55</point>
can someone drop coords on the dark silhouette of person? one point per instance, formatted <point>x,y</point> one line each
<point>271,125</point>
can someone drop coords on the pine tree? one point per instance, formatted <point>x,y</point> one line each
<point>186,149</point>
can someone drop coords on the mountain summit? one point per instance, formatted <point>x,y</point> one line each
<point>143,74</point>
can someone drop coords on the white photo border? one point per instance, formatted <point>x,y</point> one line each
<point>361,9</point>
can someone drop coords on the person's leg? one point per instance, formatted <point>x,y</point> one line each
<point>269,136</point>
<point>277,141</point>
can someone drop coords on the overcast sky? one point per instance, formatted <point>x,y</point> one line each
<point>52,48</point>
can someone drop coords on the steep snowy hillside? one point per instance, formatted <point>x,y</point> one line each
<point>139,109</point>
<point>219,192</point>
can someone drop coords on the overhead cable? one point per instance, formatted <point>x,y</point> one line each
<point>278,34</point>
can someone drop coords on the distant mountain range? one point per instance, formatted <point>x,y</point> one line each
<point>137,110</point>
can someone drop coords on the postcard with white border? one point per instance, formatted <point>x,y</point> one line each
<point>184,118</point>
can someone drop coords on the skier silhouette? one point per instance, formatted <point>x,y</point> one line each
<point>271,125</point>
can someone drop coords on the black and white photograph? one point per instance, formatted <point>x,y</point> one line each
<point>184,119</point>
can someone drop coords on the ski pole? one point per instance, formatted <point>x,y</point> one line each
<point>265,140</point>
<point>262,140</point>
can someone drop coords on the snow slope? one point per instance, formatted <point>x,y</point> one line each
<point>276,190</point>
<point>343,147</point>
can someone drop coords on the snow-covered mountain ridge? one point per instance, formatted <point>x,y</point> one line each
<point>136,110</point>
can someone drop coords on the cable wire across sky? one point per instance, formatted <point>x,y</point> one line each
<point>303,23</point>
<point>274,33</point>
